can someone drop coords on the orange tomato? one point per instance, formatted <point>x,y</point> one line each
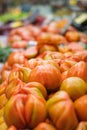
<point>3,100</point>
<point>13,38</point>
<point>75,47</point>
<point>47,48</point>
<point>64,75</point>
<point>5,74</point>
<point>80,107</point>
<point>25,108</point>
<point>36,86</point>
<point>72,36</point>
<point>20,72</point>
<point>3,87</point>
<point>13,87</point>
<point>3,125</point>
<point>19,44</point>
<point>74,86</point>
<point>12,128</point>
<point>45,126</point>
<point>61,111</point>
<point>48,38</point>
<point>80,56</point>
<point>78,70</point>
<point>16,57</point>
<point>46,74</point>
<point>82,126</point>
<point>66,64</point>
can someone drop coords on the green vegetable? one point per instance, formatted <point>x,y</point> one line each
<point>4,53</point>
<point>10,16</point>
<point>86,46</point>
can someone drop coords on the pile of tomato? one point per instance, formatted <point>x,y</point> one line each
<point>44,87</point>
<point>20,37</point>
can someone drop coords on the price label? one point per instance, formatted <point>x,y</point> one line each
<point>81,18</point>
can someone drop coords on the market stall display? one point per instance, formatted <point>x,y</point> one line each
<point>43,76</point>
<point>20,37</point>
<point>44,85</point>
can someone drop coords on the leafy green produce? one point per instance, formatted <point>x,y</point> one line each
<point>86,46</point>
<point>4,53</point>
<point>10,16</point>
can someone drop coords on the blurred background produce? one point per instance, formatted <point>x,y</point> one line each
<point>59,15</point>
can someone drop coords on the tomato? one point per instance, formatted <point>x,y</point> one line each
<point>82,126</point>
<point>45,126</point>
<point>75,47</point>
<point>39,110</point>
<point>43,38</point>
<point>56,55</point>
<point>72,36</point>
<point>25,108</point>
<point>83,37</point>
<point>3,87</point>
<point>61,111</point>
<point>36,86</point>
<point>35,31</point>
<point>66,64</point>
<point>32,63</point>
<point>74,86</point>
<point>80,107</point>
<point>64,75</point>
<point>68,54</point>
<point>48,38</point>
<point>14,38</point>
<point>13,87</point>
<point>21,73</point>
<point>15,108</point>
<point>6,69</point>
<point>3,125</point>
<point>47,48</point>
<point>1,112</point>
<point>80,56</point>
<point>16,57</point>
<point>46,74</point>
<point>78,70</point>
<point>19,44</point>
<point>12,128</point>
<point>3,100</point>
<point>5,74</point>
<point>58,39</point>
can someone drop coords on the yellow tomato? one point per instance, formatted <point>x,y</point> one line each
<point>74,86</point>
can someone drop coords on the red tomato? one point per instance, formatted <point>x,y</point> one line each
<point>19,44</point>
